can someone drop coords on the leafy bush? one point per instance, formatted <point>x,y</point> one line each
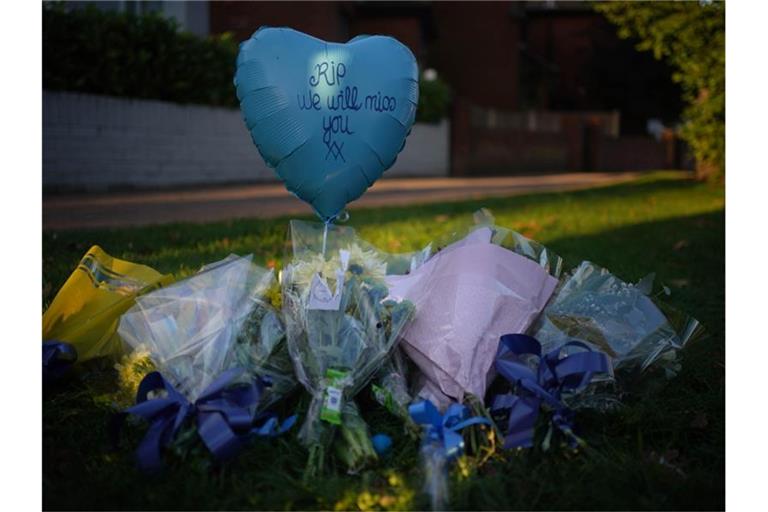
<point>434,100</point>
<point>138,56</point>
<point>690,36</point>
<point>146,56</point>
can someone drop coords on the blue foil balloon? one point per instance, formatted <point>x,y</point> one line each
<point>329,118</point>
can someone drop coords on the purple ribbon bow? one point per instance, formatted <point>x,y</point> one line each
<point>224,415</point>
<point>542,386</point>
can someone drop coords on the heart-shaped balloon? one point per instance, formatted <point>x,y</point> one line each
<point>330,118</point>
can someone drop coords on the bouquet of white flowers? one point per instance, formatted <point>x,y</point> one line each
<point>340,330</point>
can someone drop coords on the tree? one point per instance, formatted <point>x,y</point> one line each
<point>690,37</point>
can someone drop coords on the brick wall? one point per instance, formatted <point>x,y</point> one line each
<point>637,153</point>
<point>98,143</point>
<point>406,29</point>
<point>491,141</point>
<point>476,51</point>
<point>319,19</point>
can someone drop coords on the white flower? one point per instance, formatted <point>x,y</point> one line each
<point>372,265</point>
<point>303,270</point>
<point>364,262</point>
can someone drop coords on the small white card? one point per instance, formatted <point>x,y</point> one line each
<point>320,295</point>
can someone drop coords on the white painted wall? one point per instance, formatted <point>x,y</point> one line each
<point>99,142</point>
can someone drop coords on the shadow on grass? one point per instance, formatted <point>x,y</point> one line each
<point>686,253</point>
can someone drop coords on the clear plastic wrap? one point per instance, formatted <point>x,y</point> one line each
<point>442,443</point>
<point>435,465</point>
<point>506,238</point>
<point>391,390</point>
<point>260,348</point>
<point>617,318</point>
<point>340,329</point>
<point>212,321</point>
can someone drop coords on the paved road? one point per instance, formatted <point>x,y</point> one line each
<point>79,211</point>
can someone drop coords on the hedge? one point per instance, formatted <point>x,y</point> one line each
<point>146,56</point>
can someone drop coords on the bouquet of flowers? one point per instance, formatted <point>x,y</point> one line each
<point>261,349</point>
<point>212,321</point>
<point>216,343</point>
<point>620,319</point>
<point>470,293</point>
<point>340,329</point>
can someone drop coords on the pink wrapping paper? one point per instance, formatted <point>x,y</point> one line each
<point>470,294</point>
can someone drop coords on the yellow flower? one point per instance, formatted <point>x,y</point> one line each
<point>366,500</point>
<point>131,369</point>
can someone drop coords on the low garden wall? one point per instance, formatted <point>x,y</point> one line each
<point>93,142</point>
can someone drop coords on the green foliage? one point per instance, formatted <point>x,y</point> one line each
<point>664,450</point>
<point>138,56</point>
<point>146,56</point>
<point>690,36</point>
<point>434,100</point>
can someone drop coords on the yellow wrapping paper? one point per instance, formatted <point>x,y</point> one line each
<point>87,309</point>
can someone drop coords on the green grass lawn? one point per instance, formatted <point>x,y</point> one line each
<point>665,449</point>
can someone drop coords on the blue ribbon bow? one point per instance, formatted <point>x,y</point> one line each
<point>224,415</point>
<point>545,385</point>
<point>58,358</point>
<point>444,428</point>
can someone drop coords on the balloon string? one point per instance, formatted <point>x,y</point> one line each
<point>325,235</point>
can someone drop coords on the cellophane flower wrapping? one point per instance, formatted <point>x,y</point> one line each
<point>435,466</point>
<point>391,390</point>
<point>86,310</point>
<point>504,237</point>
<point>469,294</point>
<point>391,384</point>
<point>261,349</point>
<point>617,318</point>
<point>341,328</point>
<point>209,322</point>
